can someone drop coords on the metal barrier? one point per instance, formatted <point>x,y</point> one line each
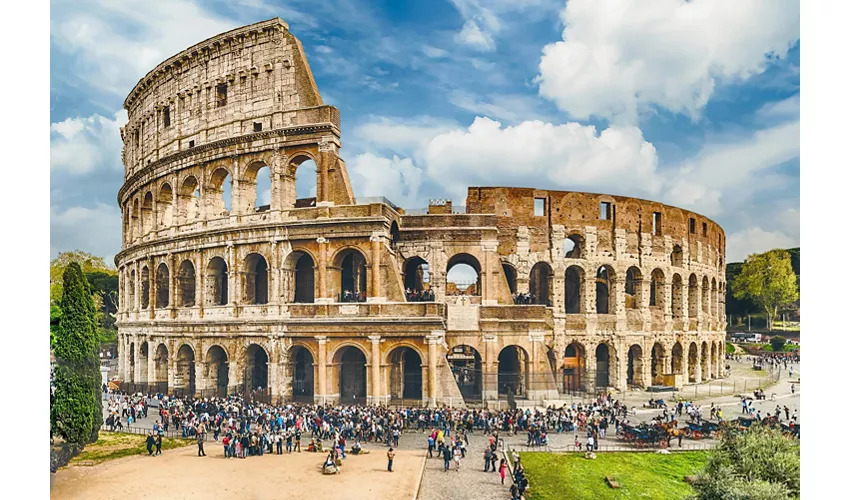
<point>142,431</point>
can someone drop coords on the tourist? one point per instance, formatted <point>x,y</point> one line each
<point>226,443</point>
<point>487,454</point>
<point>503,466</point>
<point>447,458</point>
<point>390,456</point>
<point>149,442</point>
<point>457,458</point>
<point>158,443</point>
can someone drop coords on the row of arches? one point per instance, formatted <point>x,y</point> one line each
<point>574,248</point>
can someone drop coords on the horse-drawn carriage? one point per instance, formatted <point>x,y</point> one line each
<point>655,403</point>
<point>646,434</point>
<point>702,430</point>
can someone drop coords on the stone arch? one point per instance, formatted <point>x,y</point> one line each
<point>405,373</point>
<point>459,282</point>
<point>513,371</point>
<point>131,371</point>
<point>219,193</point>
<point>135,225</point>
<point>540,284</point>
<point>131,299</point>
<point>256,280</point>
<point>705,292</point>
<point>417,273</point>
<point>161,364</point>
<point>189,200</point>
<point>574,246</point>
<point>350,283</point>
<point>704,364</point>
<point>162,278</point>
<point>395,236</point>
<point>144,353</point>
<point>605,296</point>
<point>148,224</point>
<point>676,355</point>
<point>658,358</point>
<point>465,363</point>
<point>656,289</point>
<point>146,287</point>
<point>677,256</point>
<point>676,304</point>
<point>217,369</point>
<point>604,355</point>
<point>575,360</point>
<point>293,182</point>
<point>510,275</point>
<point>164,208</point>
<point>715,299</point>
<point>693,361</point>
<point>693,296</point>
<point>350,361</point>
<point>184,375</point>
<point>299,273</point>
<point>634,279</point>
<point>255,187</point>
<point>713,367</point>
<point>303,367</point>
<point>186,284</point>
<point>217,282</point>
<point>574,290</point>
<point>256,368</point>
<point>634,368</point>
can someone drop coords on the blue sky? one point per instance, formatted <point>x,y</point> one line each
<point>694,103</point>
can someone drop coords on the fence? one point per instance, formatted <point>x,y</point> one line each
<point>142,431</point>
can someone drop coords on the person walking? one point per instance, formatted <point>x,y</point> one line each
<point>298,439</point>
<point>487,454</point>
<point>158,442</point>
<point>390,456</point>
<point>457,458</point>
<point>149,442</point>
<point>447,458</point>
<point>503,466</point>
<point>201,452</point>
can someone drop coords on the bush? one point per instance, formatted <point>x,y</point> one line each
<point>777,343</point>
<point>730,348</point>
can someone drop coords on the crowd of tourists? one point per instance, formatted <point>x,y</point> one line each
<point>349,296</point>
<point>524,298</point>
<point>426,295</point>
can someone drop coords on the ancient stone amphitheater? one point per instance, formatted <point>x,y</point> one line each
<point>340,299</point>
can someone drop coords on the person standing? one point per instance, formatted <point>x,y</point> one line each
<point>149,442</point>
<point>158,442</point>
<point>487,454</point>
<point>390,456</point>
<point>298,439</point>
<point>457,458</point>
<point>447,458</point>
<point>200,435</point>
<point>503,466</point>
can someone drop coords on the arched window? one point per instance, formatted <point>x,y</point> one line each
<point>417,280</point>
<point>605,290</point>
<point>299,276</point>
<point>574,290</point>
<point>189,201</point>
<point>163,206</point>
<point>186,284</point>
<point>256,188</point>
<point>462,275</point>
<point>656,289</point>
<point>219,194</point>
<point>573,246</point>
<point>540,284</point>
<point>300,187</point>
<point>633,288</point>
<point>693,297</point>
<point>678,296</point>
<point>350,282</point>
<point>706,296</point>
<point>146,288</point>
<point>216,293</point>
<point>147,213</point>
<point>677,257</point>
<point>162,297</point>
<point>256,279</point>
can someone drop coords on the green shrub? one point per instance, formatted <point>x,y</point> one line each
<point>730,348</point>
<point>777,343</point>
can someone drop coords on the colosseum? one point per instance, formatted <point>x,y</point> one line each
<point>226,287</point>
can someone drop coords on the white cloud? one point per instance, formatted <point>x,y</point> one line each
<point>786,109</point>
<point>81,145</point>
<point>433,52</point>
<point>733,170</point>
<point>751,240</point>
<point>405,137</point>
<point>472,35</point>
<point>621,57</point>
<point>397,178</point>
<point>96,230</point>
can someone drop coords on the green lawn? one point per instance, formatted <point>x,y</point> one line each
<point>113,445</point>
<point>641,475</point>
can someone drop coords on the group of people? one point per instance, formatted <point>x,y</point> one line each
<point>426,295</point>
<point>349,296</point>
<point>524,298</point>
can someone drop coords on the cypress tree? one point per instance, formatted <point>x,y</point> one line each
<point>76,412</point>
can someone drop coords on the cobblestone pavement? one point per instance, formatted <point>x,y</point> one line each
<point>470,483</point>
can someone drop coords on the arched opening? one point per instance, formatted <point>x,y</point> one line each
<point>146,288</point>
<point>574,290</point>
<point>677,256</point>
<point>704,362</point>
<point>657,366</point>
<point>633,288</point>
<point>256,368</point>
<point>131,295</point>
<point>302,271</point>
<point>417,280</point>
<point>693,361</point>
<point>510,276</point>
<point>217,370</point>
<point>676,290</point>
<point>186,284</point>
<point>352,375</point>
<point>184,377</point>
<point>305,174</point>
<point>713,366</point>
<point>705,295</point>
<point>147,213</point>
<point>513,371</point>
<point>677,358</point>
<point>131,372</point>
<point>256,188</point>
<point>302,374</point>
<point>465,363</point>
<point>604,290</point>
<point>405,374</point>
<point>714,299</point>
<point>656,289</point>
<point>573,246</point>
<point>135,225</point>
<point>462,275</point>
<point>161,368</point>
<point>634,370</point>
<point>165,212</point>
<point>350,281</point>
<point>256,279</point>
<point>540,284</point>
<point>217,293</point>
<point>189,201</point>
<point>574,365</point>
<point>143,363</point>
<point>219,194</point>
<point>693,297</point>
<point>162,297</point>
<point>603,361</point>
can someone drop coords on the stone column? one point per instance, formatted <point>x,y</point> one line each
<point>321,395</point>
<point>436,337</point>
<point>490,369</point>
<point>151,368</point>
<point>375,292</point>
<point>137,353</point>
<point>698,368</point>
<point>200,376</point>
<point>646,367</point>
<point>152,287</point>
<point>236,369</point>
<point>200,283</point>
<point>375,369</point>
<point>121,351</point>
<point>489,294</point>
<point>685,368</point>
<point>323,271</point>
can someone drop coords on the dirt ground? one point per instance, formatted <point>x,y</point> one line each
<point>180,473</point>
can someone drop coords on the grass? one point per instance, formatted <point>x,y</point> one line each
<point>115,445</point>
<point>640,475</point>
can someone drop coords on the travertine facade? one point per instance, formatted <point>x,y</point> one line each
<point>313,302</point>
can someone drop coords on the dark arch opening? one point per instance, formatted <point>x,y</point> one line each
<point>574,365</point>
<point>573,245</point>
<point>574,290</point>
<point>656,289</point>
<point>465,363</point>
<point>417,280</point>
<point>256,368</point>
<point>510,275</point>
<point>602,366</point>
<point>302,375</point>
<point>218,370</point>
<point>256,279</point>
<point>162,297</point>
<point>405,374</point>
<point>352,376</point>
<point>657,365</point>
<point>184,377</point>
<point>604,290</point>
<point>395,236</point>
<point>677,358</point>
<point>633,295</point>
<point>186,284</point>
<point>146,288</point>
<point>217,282</point>
<point>161,369</point>
<point>634,373</point>
<point>352,276</point>
<point>540,284</point>
<point>513,371</point>
<point>305,279</point>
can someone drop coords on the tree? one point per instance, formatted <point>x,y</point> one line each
<point>759,464</point>
<point>769,281</point>
<point>777,343</point>
<point>76,412</point>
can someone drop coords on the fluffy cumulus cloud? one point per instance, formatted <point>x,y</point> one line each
<point>80,146</point>
<point>621,57</point>
<point>396,178</point>
<point>93,229</point>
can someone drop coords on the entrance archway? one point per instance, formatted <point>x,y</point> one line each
<point>256,279</point>
<point>513,371</point>
<point>693,359</point>
<point>131,373</point>
<point>574,290</point>
<point>574,365</point>
<point>634,372</point>
<point>302,374</point>
<point>184,377</point>
<point>704,362</point>
<point>143,363</point>
<point>658,355</point>
<point>603,360</point>
<point>465,363</point>
<point>351,278</point>
<point>405,374</point>
<point>540,284</point>
<point>677,358</point>
<point>161,368</point>
<point>217,371</point>
<point>352,375</point>
<point>256,368</point>
<point>417,273</point>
